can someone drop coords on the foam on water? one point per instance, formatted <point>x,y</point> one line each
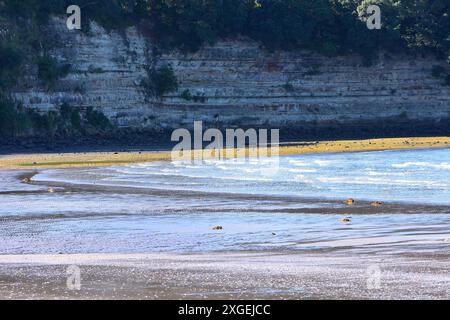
<point>420,176</point>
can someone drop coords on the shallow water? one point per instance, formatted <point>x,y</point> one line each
<point>420,176</point>
<point>172,207</point>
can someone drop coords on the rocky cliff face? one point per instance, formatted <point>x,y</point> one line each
<point>237,84</point>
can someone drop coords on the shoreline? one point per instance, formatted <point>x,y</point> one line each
<point>361,204</point>
<point>100,159</point>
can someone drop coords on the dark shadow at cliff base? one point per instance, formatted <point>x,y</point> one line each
<point>128,139</point>
<point>385,128</point>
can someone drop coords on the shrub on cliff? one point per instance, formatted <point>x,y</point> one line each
<point>186,95</point>
<point>11,59</point>
<point>17,122</point>
<point>160,81</point>
<point>7,117</point>
<point>447,80</point>
<point>14,120</point>
<point>97,120</point>
<point>437,71</point>
<point>71,121</point>
<point>49,71</point>
<point>440,72</point>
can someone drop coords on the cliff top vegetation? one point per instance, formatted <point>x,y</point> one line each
<point>328,26</point>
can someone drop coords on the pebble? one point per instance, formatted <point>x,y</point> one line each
<point>376,203</point>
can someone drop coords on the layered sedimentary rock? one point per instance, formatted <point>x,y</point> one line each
<point>236,84</point>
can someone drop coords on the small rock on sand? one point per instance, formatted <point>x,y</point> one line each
<point>376,203</point>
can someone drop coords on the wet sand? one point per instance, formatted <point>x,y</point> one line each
<point>96,159</point>
<point>225,276</point>
<point>410,265</point>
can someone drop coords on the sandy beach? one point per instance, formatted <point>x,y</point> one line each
<point>95,159</point>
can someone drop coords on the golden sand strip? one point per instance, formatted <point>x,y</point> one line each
<point>95,159</point>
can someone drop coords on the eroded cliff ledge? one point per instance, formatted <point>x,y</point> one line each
<point>240,85</point>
